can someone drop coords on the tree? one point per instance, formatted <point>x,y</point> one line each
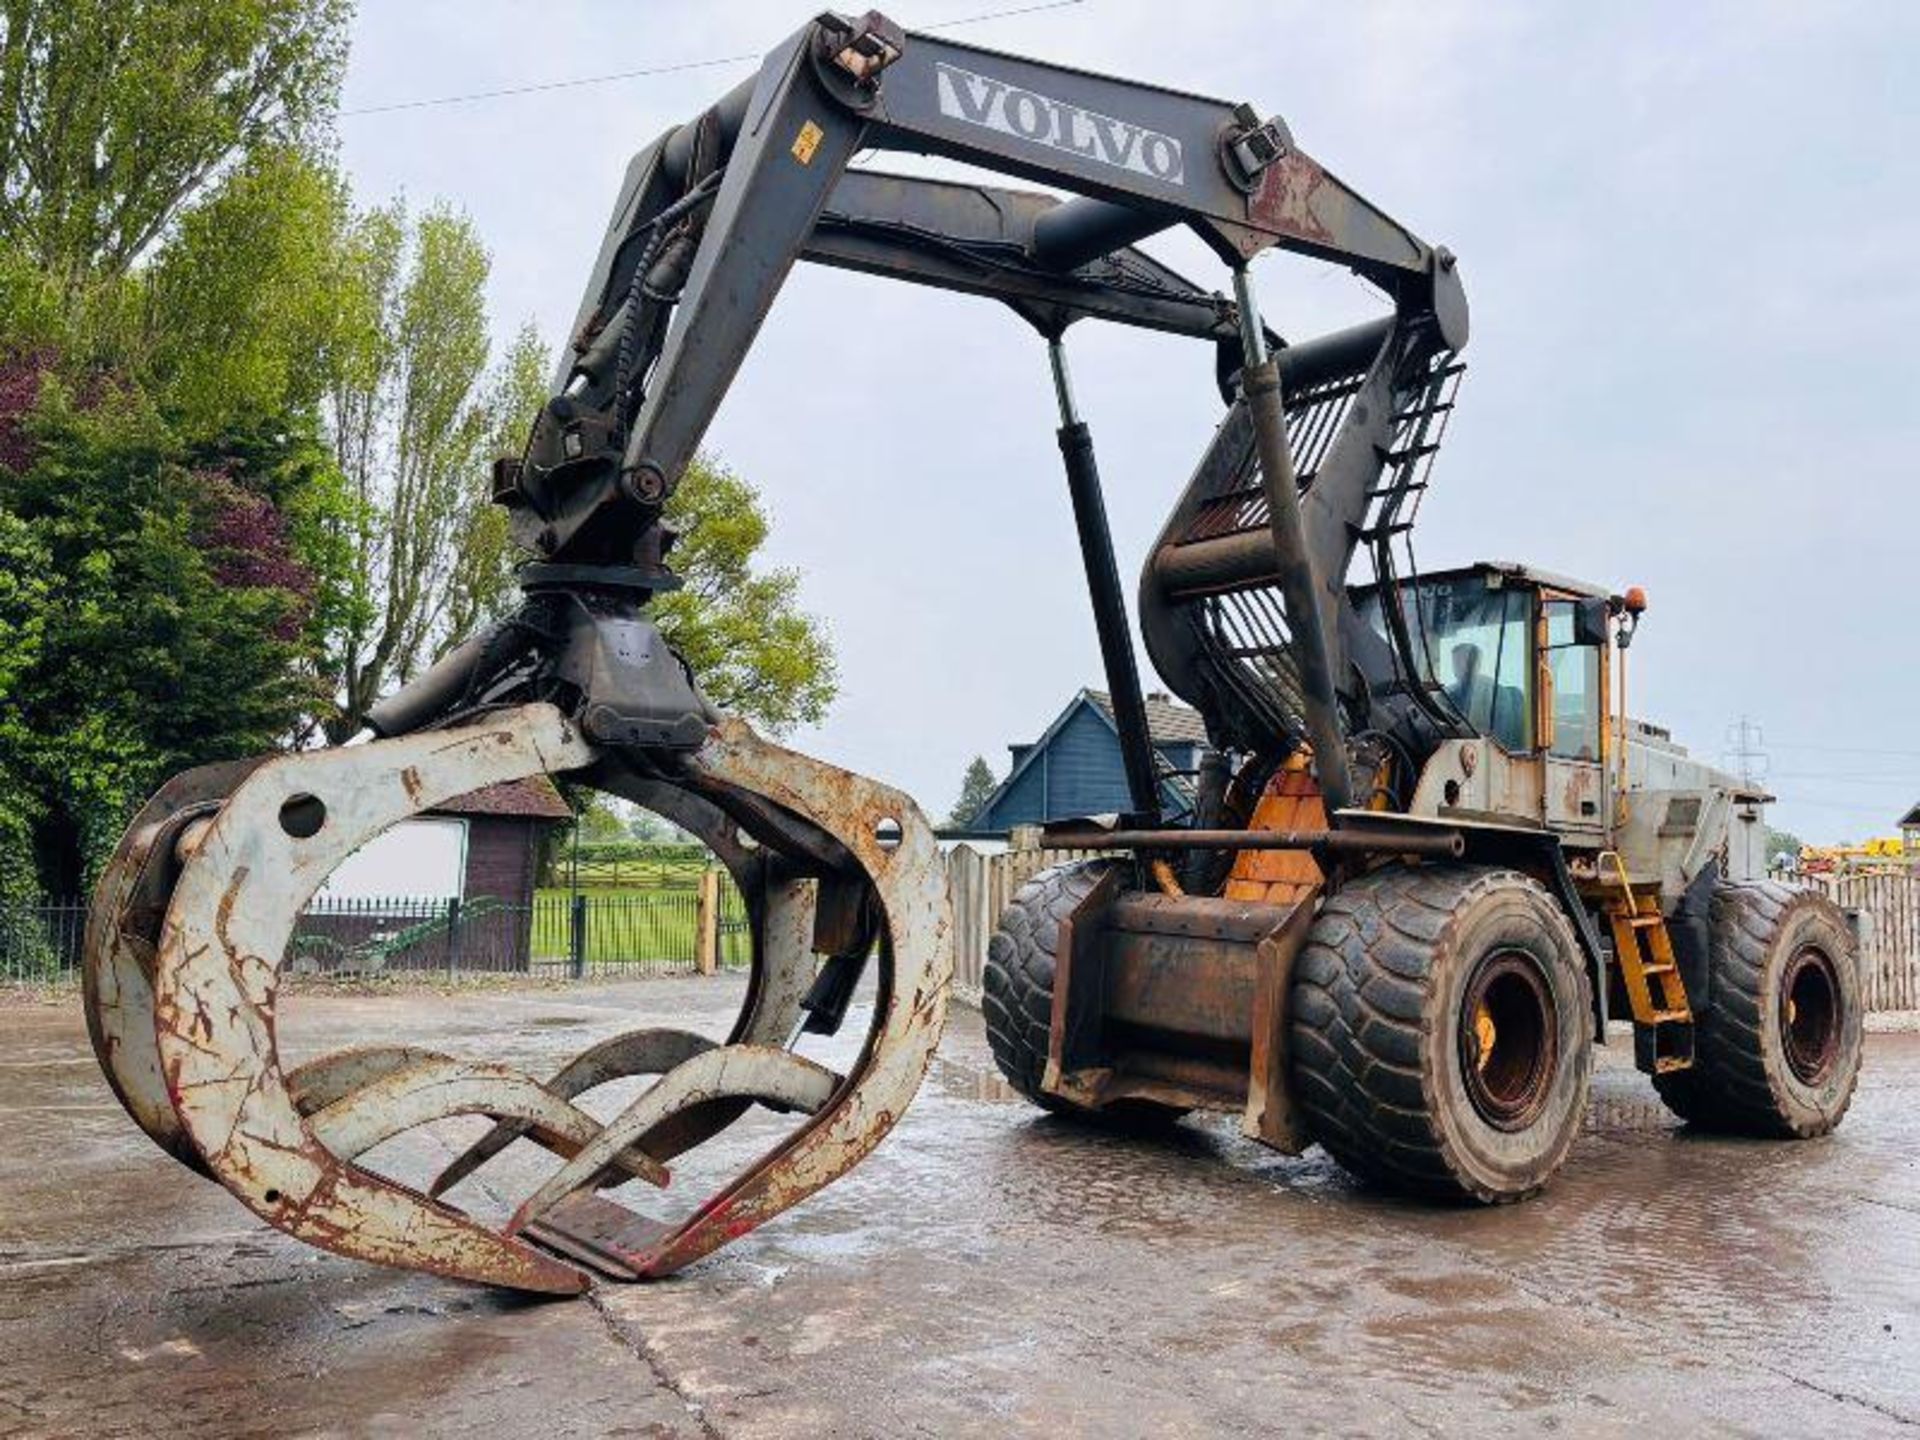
<point>113,116</point>
<point>169,626</point>
<point>411,427</point>
<point>975,786</point>
<point>649,828</point>
<point>252,303</point>
<point>1782,842</point>
<point>24,582</point>
<point>483,584</point>
<point>599,821</point>
<point>753,650</point>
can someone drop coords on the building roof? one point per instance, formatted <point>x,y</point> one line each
<point>1168,721</point>
<point>1912,817</point>
<point>533,798</point>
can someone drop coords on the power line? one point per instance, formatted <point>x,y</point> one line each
<point>1844,749</point>
<point>1808,802</point>
<point>577,81</point>
<point>1843,778</point>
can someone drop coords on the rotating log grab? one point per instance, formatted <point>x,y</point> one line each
<point>194,914</point>
<point>184,967</point>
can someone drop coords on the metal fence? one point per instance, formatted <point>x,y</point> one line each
<point>697,924</point>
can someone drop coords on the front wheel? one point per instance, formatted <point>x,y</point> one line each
<point>1440,1033</point>
<point>1017,992</point>
<point>1777,1047</point>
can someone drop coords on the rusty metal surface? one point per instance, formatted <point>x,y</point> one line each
<point>638,1052</point>
<point>123,934</point>
<point>727,1072</point>
<point>1173,982</point>
<point>916,969</point>
<point>228,924</point>
<point>203,897</point>
<point>319,1083</point>
<point>1271,1116</point>
<point>440,1087</point>
<point>1379,839</point>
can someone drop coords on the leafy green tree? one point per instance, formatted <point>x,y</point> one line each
<point>115,115</point>
<point>599,821</point>
<point>483,585</point>
<point>753,649</point>
<point>649,828</point>
<point>253,303</point>
<point>1782,842</point>
<point>975,786</point>
<point>170,626</point>
<point>411,425</point>
<point>244,429</point>
<point>24,583</point>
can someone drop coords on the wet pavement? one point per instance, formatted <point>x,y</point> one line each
<point>987,1272</point>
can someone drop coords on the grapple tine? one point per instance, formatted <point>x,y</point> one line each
<point>439,1087</point>
<point>639,1052</point>
<point>846,811</point>
<point>201,900</point>
<point>916,972</point>
<point>122,938</point>
<point>728,1072</point>
<point>232,914</point>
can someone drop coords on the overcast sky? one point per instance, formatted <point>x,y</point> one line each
<point>1690,236</point>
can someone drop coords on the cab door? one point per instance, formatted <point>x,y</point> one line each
<point>1572,713</point>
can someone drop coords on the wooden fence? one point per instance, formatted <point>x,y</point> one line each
<point>982,886</point>
<point>1889,905</point>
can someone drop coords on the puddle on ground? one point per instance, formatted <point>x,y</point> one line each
<point>1618,1103</point>
<point>972,1082</point>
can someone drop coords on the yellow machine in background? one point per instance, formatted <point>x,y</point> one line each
<point>1884,852</point>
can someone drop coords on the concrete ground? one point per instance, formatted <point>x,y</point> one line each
<point>988,1271</point>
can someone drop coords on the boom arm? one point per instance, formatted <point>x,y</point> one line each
<point>713,215</point>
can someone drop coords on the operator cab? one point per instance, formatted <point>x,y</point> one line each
<point>1517,655</point>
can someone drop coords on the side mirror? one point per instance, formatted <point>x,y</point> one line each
<point>1590,622</point>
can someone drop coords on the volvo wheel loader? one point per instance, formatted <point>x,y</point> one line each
<point>1428,856</point>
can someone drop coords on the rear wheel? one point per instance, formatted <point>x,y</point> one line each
<point>1441,1020</point>
<point>1777,1047</point>
<point>1017,990</point>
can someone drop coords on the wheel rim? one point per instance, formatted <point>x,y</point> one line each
<point>1509,1039</point>
<point>1810,1015</point>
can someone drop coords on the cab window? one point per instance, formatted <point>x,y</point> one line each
<point>1575,672</point>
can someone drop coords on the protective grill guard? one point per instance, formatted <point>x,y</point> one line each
<point>196,909</point>
<point>1364,410</point>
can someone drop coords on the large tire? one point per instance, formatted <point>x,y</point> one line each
<point>1440,1033</point>
<point>1777,1046</point>
<point>1017,991</point>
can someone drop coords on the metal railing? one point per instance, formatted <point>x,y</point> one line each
<point>699,925</point>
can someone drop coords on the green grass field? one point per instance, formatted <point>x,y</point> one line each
<point>644,926</point>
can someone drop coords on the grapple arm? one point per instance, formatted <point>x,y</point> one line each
<point>713,215</point>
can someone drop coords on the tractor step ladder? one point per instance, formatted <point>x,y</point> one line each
<point>1662,1016</point>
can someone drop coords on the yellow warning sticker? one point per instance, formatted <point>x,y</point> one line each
<point>807,141</point>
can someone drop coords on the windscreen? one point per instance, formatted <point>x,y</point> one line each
<point>1472,643</point>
